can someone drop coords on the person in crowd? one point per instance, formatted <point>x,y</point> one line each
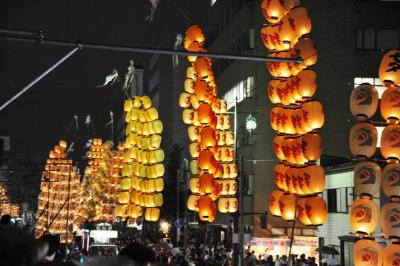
<point>5,220</point>
<point>138,253</point>
<point>283,261</point>
<point>312,262</point>
<point>252,259</point>
<point>302,261</point>
<point>53,243</point>
<point>270,261</point>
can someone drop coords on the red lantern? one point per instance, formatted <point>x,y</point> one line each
<point>207,183</point>
<point>390,105</point>
<point>367,178</point>
<point>364,216</point>
<point>363,138</point>
<point>390,142</point>
<point>389,67</point>
<point>390,219</point>
<point>193,34</point>
<point>391,255</point>
<point>301,212</point>
<point>287,205</point>
<point>207,209</point>
<point>202,65</point>
<point>202,91</point>
<point>367,252</point>
<point>316,210</point>
<point>364,101</point>
<point>208,139</point>
<point>207,161</point>
<point>278,141</point>
<point>205,114</point>
<point>391,179</point>
<point>274,202</point>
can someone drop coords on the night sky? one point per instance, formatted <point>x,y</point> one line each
<point>39,118</point>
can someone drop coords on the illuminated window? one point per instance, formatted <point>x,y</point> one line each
<point>240,91</point>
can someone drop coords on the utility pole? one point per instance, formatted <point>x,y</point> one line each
<point>186,174</point>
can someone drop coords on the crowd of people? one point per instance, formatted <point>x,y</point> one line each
<point>294,260</point>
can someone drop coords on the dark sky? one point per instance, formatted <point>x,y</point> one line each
<point>39,118</point>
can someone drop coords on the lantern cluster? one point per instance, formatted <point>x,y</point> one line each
<point>99,186</point>
<point>58,204</point>
<point>372,174</point>
<point>6,207</point>
<point>142,182</point>
<point>296,117</point>
<point>212,141</point>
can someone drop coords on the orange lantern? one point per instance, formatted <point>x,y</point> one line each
<point>390,142</point>
<point>367,178</point>
<point>278,141</point>
<point>391,179</point>
<point>311,144</point>
<point>205,113</point>
<point>367,252</point>
<point>279,171</point>
<point>313,116</point>
<point>273,91</point>
<point>363,138</point>
<point>312,179</point>
<point>301,212</point>
<point>207,161</point>
<point>364,216</point>
<point>304,49</point>
<point>316,210</point>
<point>390,219</point>
<point>152,214</point>
<point>282,120</point>
<point>207,183</point>
<point>286,122</point>
<point>273,10</point>
<point>202,91</point>
<point>192,203</point>
<point>300,21</point>
<point>364,101</point>
<point>202,65</point>
<point>298,154</point>
<point>208,138</point>
<point>270,37</point>
<point>303,85</point>
<point>390,67</point>
<point>274,202</point>
<point>390,105</point>
<point>207,209</point>
<point>287,206</point>
<point>274,118</point>
<point>193,34</point>
<point>391,255</point>
<point>280,69</point>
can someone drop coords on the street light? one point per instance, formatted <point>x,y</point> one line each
<point>164,227</point>
<point>251,123</point>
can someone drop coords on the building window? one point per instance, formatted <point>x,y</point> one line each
<point>373,39</point>
<point>339,199</point>
<point>242,90</point>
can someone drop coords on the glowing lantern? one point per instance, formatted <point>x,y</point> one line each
<point>189,116</point>
<point>367,252</point>
<point>270,37</point>
<point>389,67</point>
<point>390,219</point>
<point>312,179</point>
<point>278,141</point>
<point>287,206</point>
<point>202,65</point>
<point>363,138</point>
<point>390,105</point>
<point>205,113</point>
<point>316,210</point>
<point>274,118</point>
<point>273,92</point>
<point>274,202</point>
<point>194,133</point>
<point>194,167</point>
<point>280,69</point>
<point>311,145</point>
<point>364,216</point>
<point>120,210</point>
<point>391,179</point>
<point>123,197</point>
<point>207,161</point>
<point>227,205</point>
<point>301,212</point>
<point>193,34</point>
<point>207,184</point>
<point>191,74</point>
<point>207,209</point>
<point>299,20</point>
<point>184,100</point>
<point>279,172</point>
<point>194,149</point>
<point>391,255</point>
<point>304,49</point>
<point>303,85</point>
<point>152,214</point>
<point>188,85</point>
<point>364,101</point>
<point>313,116</point>
<point>192,202</point>
<point>274,10</point>
<point>367,178</point>
<point>390,142</point>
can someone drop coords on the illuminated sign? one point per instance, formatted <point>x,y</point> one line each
<point>104,234</point>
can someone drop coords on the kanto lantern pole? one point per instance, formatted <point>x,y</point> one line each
<point>36,80</point>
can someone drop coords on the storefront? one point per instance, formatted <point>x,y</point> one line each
<point>280,246</point>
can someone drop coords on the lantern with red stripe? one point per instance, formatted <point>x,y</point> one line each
<point>390,142</point>
<point>363,138</point>
<point>390,219</point>
<point>302,213</point>
<point>364,101</point>
<point>391,180</point>
<point>364,215</point>
<point>390,105</point>
<point>367,178</point>
<point>367,252</point>
<point>391,255</point>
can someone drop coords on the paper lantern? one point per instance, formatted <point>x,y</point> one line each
<point>205,113</point>
<point>391,180</point>
<point>298,151</point>
<point>390,219</point>
<point>364,216</point>
<point>207,183</point>
<point>367,178</point>
<point>316,210</point>
<point>367,252</point>
<point>274,202</point>
<point>273,92</point>
<point>363,138</point>
<point>194,149</point>
<point>391,255</point>
<point>287,206</point>
<point>302,213</point>
<point>152,214</point>
<point>194,133</point>
<point>208,138</point>
<point>313,116</point>
<point>271,38</point>
<point>202,65</point>
<point>279,172</point>
<point>228,205</point>
<point>123,197</point>
<point>303,86</point>
<point>188,85</point>
<point>364,101</point>
<point>299,20</point>
<point>278,141</point>
<point>207,209</point>
<point>389,69</point>
<point>390,142</point>
<point>193,34</point>
<point>192,202</point>
<point>311,144</point>
<point>190,116</point>
<point>207,161</point>
<point>274,118</point>
<point>312,179</point>
<point>274,10</point>
<point>280,69</point>
<point>390,105</point>
<point>184,100</point>
<point>194,167</point>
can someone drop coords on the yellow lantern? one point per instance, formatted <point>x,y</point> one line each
<point>194,185</point>
<point>287,205</point>
<point>194,149</point>
<point>391,179</point>
<point>125,183</point>
<point>192,203</point>
<point>123,197</point>
<point>194,167</point>
<point>390,219</point>
<point>364,101</point>
<point>364,216</point>
<point>194,133</point>
<point>367,252</point>
<point>367,178</point>
<point>390,105</point>
<point>227,205</point>
<point>363,138</point>
<point>390,142</point>
<point>389,67</point>
<point>316,210</point>
<point>391,255</point>
<point>152,214</point>
<point>274,202</point>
